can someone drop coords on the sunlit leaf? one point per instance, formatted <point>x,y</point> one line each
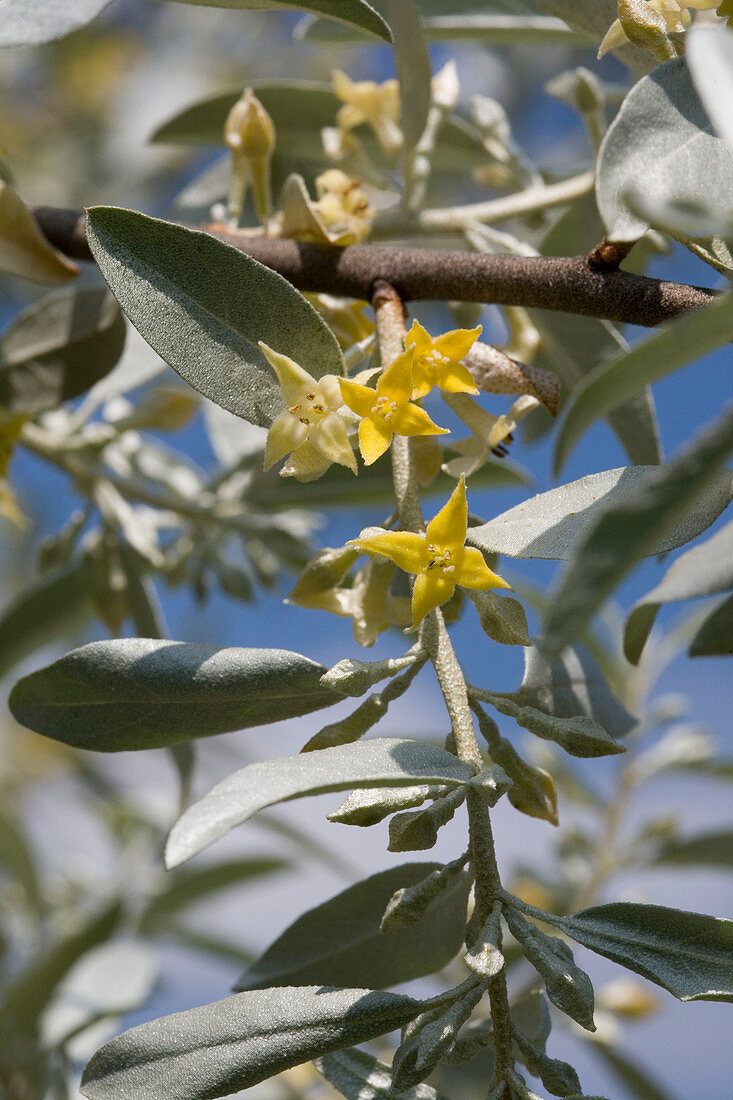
<point>355,13</point>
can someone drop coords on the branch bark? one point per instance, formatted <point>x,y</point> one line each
<point>575,284</point>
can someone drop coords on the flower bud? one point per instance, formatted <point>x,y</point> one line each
<point>250,134</point>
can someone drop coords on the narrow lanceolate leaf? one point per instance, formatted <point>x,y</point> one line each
<point>702,571</point>
<point>339,943</point>
<point>203,306</point>
<point>58,348</point>
<point>502,618</point>
<point>143,693</point>
<point>44,612</point>
<point>382,762</point>
<point>554,524</point>
<point>615,382</point>
<point>24,251</point>
<point>26,23</point>
<point>661,141</point>
<point>220,1048</point>
<point>570,685</point>
<point>715,636</point>
<point>355,13</point>
<point>668,497</point>
<point>703,850</point>
<point>359,1076</point>
<point>568,987</point>
<point>412,60</point>
<point>689,954</point>
<point>579,736</point>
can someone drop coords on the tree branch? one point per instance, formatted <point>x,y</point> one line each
<point>574,284</point>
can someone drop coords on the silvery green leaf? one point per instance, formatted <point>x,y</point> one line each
<point>713,849</point>
<point>207,326</point>
<point>579,736</point>
<point>137,365</point>
<point>568,987</point>
<point>667,498</point>
<point>569,685</point>
<point>662,142</point>
<point>48,609</point>
<point>414,70</point>
<point>689,954</point>
<point>25,23</point>
<point>715,636</point>
<point>369,807</point>
<point>142,693</point>
<point>702,571</point>
<point>109,980</point>
<point>58,347</point>
<point>555,524</point>
<point>340,942</point>
<point>558,1077</point>
<point>416,831</point>
<point>502,618</point>
<point>381,762</point>
<point>533,789</point>
<point>616,381</point>
<point>229,1045</point>
<point>709,53</point>
<point>354,678</point>
<point>355,13</point>
<point>359,1076</point>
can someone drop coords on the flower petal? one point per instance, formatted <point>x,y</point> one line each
<point>412,420</point>
<point>306,463</point>
<point>360,399</point>
<point>419,339</point>
<point>285,435</point>
<point>458,342</point>
<point>457,379</point>
<point>405,548</point>
<point>330,437</point>
<point>294,381</point>
<point>473,572</point>
<point>396,382</point>
<point>448,528</point>
<point>430,591</point>
<point>374,439</point>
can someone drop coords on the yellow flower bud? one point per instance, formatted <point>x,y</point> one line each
<point>250,134</point>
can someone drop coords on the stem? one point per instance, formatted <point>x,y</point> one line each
<point>435,639</point>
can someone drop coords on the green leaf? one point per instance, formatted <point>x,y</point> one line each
<point>229,1045</point>
<point>568,987</point>
<point>670,348</point>
<point>24,251</point>
<point>688,954</point>
<point>450,24</point>
<point>355,13</point>
<point>704,850</point>
<point>632,1076</point>
<point>709,54</point>
<point>26,997</point>
<point>662,504</point>
<point>109,980</point>
<point>16,859</point>
<point>662,143</point>
<point>45,611</point>
<point>381,762</point>
<point>359,1076</point>
<point>26,23</point>
<point>702,571</point>
<point>339,942</point>
<point>715,636</point>
<point>143,693</point>
<point>58,348</point>
<point>569,685</point>
<point>187,887</point>
<point>579,736</point>
<point>203,306</point>
<point>414,70</point>
<point>354,678</point>
<point>556,524</point>
<point>502,618</point>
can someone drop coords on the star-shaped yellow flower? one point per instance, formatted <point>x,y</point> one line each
<point>313,426</point>
<point>437,362</point>
<point>376,104</point>
<point>387,411</point>
<point>439,559</point>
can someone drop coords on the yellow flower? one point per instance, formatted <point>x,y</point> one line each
<point>376,104</point>
<point>343,206</point>
<point>437,362</point>
<point>674,13</point>
<point>313,425</point>
<point>387,411</point>
<point>439,559</point>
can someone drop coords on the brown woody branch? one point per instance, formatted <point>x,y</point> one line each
<point>575,284</point>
